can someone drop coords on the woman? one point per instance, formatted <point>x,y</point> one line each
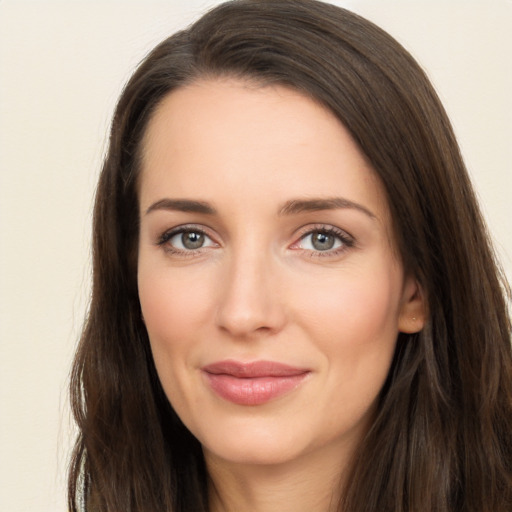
<point>295,303</point>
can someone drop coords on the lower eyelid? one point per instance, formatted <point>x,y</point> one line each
<point>164,241</point>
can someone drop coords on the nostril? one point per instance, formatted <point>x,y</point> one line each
<point>242,320</point>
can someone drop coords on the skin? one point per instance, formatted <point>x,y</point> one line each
<point>260,289</point>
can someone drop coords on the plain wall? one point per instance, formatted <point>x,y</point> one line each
<point>62,66</point>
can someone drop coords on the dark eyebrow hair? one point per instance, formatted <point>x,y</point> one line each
<point>316,204</point>
<point>182,205</point>
<point>292,207</point>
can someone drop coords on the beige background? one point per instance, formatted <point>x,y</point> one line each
<point>62,66</point>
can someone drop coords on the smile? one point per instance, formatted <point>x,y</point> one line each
<point>252,383</point>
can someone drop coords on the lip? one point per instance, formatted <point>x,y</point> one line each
<point>253,383</point>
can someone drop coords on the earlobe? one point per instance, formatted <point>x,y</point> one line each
<point>412,315</point>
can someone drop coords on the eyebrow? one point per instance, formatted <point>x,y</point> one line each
<point>182,205</point>
<point>292,207</point>
<point>296,206</point>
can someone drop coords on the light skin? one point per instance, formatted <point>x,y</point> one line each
<point>266,235</point>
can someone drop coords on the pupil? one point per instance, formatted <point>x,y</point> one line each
<point>322,241</point>
<point>192,240</point>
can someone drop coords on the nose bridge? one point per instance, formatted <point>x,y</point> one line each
<point>249,301</point>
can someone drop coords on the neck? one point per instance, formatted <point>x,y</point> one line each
<point>314,486</point>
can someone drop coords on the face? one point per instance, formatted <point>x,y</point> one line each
<point>269,283</point>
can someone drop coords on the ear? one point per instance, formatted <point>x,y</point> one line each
<point>413,310</point>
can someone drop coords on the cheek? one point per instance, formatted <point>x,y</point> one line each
<point>358,307</point>
<point>175,310</point>
<point>171,303</point>
<point>354,327</point>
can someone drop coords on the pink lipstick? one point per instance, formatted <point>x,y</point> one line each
<point>252,383</point>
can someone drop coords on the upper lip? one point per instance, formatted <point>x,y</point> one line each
<point>253,369</point>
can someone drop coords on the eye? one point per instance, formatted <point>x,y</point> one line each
<point>328,240</point>
<point>188,240</point>
<point>320,241</point>
<point>185,239</point>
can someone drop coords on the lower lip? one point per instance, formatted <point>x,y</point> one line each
<point>253,390</point>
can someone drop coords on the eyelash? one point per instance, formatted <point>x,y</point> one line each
<point>347,241</point>
<point>168,235</point>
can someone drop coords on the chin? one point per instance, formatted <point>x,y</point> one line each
<point>251,441</point>
<point>255,452</point>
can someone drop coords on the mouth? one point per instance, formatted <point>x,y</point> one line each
<point>253,383</point>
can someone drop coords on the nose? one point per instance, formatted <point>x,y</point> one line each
<point>250,301</point>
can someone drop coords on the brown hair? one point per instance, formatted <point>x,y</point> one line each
<point>442,437</point>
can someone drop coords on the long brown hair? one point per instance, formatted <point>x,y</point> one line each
<point>442,437</point>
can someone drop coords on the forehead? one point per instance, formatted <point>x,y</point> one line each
<point>272,141</point>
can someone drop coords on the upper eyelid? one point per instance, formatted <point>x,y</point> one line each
<point>300,233</point>
<point>328,228</point>
<point>346,239</point>
<point>187,227</point>
<point>167,234</point>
